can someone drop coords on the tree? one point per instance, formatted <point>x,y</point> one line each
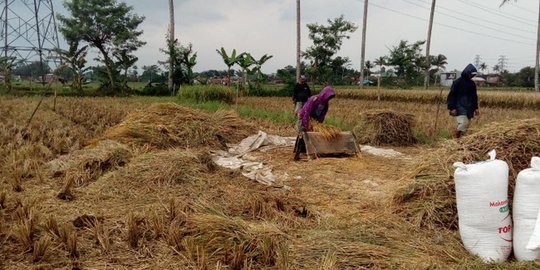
<point>438,63</point>
<point>152,74</point>
<point>327,41</point>
<point>184,59</point>
<point>74,60</point>
<point>483,67</point>
<point>7,64</point>
<point>408,60</point>
<point>229,61</point>
<point>106,25</point>
<point>525,77</point>
<point>245,61</point>
<point>380,61</point>
<point>368,66</point>
<point>124,62</point>
<point>32,69</point>
<point>257,69</point>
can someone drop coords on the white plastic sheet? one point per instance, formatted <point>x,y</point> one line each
<point>237,158</point>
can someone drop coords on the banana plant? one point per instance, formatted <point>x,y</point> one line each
<point>229,61</point>
<point>258,66</point>
<point>124,61</point>
<point>75,60</point>
<point>245,61</point>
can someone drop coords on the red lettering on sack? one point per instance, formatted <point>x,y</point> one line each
<point>497,203</point>
<point>505,229</point>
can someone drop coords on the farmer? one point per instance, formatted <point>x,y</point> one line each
<point>314,109</point>
<point>301,94</point>
<point>463,100</point>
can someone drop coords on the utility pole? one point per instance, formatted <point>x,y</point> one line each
<point>298,52</point>
<point>428,44</point>
<point>363,54</point>
<point>537,68</point>
<point>171,47</point>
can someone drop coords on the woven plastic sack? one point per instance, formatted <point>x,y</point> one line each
<point>485,224</point>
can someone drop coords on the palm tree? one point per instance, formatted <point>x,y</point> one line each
<point>483,67</point>
<point>368,67</point>
<point>439,62</point>
<point>229,61</point>
<point>537,68</point>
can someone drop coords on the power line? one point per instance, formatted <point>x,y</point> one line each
<point>496,12</point>
<point>468,21</point>
<point>452,27</point>
<point>483,20</point>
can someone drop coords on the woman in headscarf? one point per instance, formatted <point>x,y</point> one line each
<point>315,108</point>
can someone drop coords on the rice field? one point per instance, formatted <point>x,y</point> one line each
<point>125,183</point>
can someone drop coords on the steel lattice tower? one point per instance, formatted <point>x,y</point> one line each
<point>28,31</point>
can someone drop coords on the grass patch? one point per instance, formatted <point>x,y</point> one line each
<point>211,92</point>
<point>283,116</point>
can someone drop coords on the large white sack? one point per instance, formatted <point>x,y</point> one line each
<point>525,211</point>
<point>526,207</point>
<point>484,218</point>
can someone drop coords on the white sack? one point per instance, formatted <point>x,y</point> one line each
<point>526,207</point>
<point>485,224</point>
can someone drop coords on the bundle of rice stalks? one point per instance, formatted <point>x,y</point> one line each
<point>328,132</point>
<point>385,128</point>
<point>429,200</point>
<point>231,241</point>
<point>167,125</point>
<point>174,166</point>
<point>91,162</point>
<point>353,248</point>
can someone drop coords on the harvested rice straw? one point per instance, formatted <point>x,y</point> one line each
<point>385,128</point>
<point>328,132</point>
<point>428,200</point>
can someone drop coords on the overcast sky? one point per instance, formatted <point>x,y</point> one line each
<point>462,29</point>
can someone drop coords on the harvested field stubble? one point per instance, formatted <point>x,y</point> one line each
<point>385,128</point>
<point>428,200</point>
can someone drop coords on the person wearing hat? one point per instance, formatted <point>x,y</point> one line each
<point>301,94</point>
<point>463,100</point>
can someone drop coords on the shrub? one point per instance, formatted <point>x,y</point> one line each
<point>159,89</point>
<point>203,93</point>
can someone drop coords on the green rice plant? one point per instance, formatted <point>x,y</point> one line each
<point>211,92</point>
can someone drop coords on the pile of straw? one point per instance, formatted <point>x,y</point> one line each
<point>91,162</point>
<point>328,132</point>
<point>234,242</point>
<point>385,128</point>
<point>166,125</point>
<point>173,166</point>
<point>429,200</point>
